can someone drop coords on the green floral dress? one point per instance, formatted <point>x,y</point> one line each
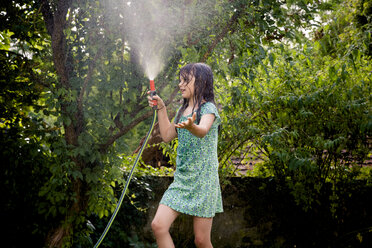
<point>196,189</point>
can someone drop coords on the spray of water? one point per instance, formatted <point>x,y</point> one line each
<point>151,27</point>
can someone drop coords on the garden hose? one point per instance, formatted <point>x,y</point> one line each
<point>129,178</point>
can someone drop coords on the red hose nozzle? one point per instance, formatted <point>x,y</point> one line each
<point>153,93</point>
<point>152,85</point>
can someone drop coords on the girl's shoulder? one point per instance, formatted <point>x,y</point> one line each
<point>208,107</point>
<point>208,104</point>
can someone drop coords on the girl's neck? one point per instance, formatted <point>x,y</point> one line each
<point>191,103</point>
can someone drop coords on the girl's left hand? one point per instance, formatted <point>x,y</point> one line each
<point>187,124</point>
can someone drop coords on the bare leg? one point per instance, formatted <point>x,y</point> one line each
<point>202,231</point>
<point>160,225</point>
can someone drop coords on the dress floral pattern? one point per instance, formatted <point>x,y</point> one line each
<point>196,189</point>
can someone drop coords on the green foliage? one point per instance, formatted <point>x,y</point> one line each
<point>24,147</point>
<point>309,115</point>
<point>347,28</point>
<point>169,150</point>
<point>127,229</point>
<point>302,107</point>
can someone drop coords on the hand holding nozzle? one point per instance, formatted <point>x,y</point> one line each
<point>154,100</point>
<point>159,104</point>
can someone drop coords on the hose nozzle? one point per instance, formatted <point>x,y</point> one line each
<point>153,93</point>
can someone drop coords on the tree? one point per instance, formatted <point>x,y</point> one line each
<point>305,106</point>
<point>300,104</point>
<point>85,68</point>
<point>96,98</point>
<point>24,149</point>
<point>93,93</point>
<point>348,30</point>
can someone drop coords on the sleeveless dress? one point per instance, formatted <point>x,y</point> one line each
<point>195,189</point>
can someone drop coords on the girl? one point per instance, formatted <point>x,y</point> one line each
<point>195,190</point>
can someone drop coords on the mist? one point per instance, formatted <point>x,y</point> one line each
<point>152,26</point>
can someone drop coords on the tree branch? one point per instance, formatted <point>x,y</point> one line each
<point>55,22</point>
<point>59,41</point>
<point>91,67</point>
<point>48,16</point>
<point>135,122</point>
<point>127,128</point>
<point>229,27</point>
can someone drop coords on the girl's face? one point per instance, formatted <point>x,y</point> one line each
<point>187,89</point>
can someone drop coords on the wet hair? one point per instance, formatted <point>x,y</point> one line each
<point>203,87</point>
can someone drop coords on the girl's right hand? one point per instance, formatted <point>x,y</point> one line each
<point>157,98</point>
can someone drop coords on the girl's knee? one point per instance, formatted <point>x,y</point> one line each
<point>158,228</point>
<point>202,241</point>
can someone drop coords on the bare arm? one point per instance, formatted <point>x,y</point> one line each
<point>167,129</point>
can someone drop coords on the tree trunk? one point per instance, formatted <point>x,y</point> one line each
<point>56,22</point>
<point>63,232</point>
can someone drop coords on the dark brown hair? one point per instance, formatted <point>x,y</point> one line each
<point>203,87</point>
